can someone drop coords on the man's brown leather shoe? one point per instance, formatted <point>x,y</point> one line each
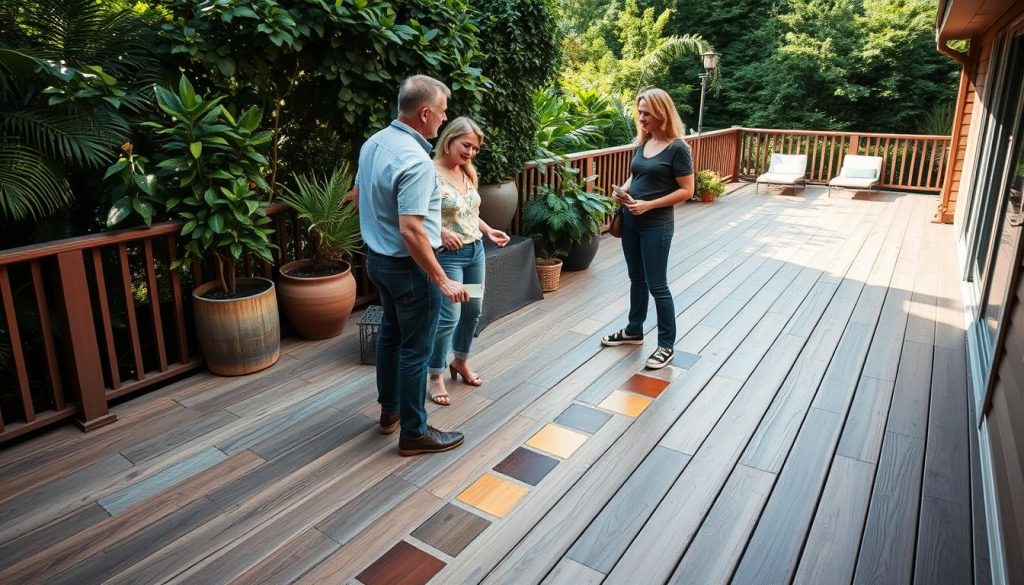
<point>433,441</point>
<point>389,422</point>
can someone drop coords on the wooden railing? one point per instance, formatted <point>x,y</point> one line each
<point>90,319</point>
<point>910,162</point>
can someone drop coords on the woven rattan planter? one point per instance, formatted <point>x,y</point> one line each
<point>549,274</point>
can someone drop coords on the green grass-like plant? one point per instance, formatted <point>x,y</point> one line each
<point>333,223</point>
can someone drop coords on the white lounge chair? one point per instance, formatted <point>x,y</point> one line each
<point>785,169</point>
<point>859,172</point>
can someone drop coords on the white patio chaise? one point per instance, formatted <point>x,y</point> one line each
<point>785,169</point>
<point>859,172</point>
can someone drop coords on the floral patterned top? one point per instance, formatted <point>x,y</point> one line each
<point>460,212</point>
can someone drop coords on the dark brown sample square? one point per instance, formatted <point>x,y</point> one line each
<point>404,564</point>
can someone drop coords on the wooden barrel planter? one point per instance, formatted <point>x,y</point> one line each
<point>317,306</point>
<point>238,336</point>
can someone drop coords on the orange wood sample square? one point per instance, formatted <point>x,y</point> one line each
<point>646,385</point>
<point>558,441</point>
<point>493,495</point>
<point>625,403</point>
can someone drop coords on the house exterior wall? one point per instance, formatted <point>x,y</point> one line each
<point>1003,408</point>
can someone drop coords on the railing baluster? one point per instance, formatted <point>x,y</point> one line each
<point>129,309</point>
<point>179,310</point>
<point>56,387</point>
<point>154,304</point>
<point>17,352</point>
<point>903,163</point>
<point>104,305</point>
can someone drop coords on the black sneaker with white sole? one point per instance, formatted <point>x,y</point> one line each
<point>620,337</point>
<point>660,358</point>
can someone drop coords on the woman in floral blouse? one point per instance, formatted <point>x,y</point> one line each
<point>462,258</point>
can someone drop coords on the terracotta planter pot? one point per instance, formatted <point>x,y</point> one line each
<point>549,275</point>
<point>707,197</point>
<point>317,307</point>
<point>238,336</point>
<point>498,204</point>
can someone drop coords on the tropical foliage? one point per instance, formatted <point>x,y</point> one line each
<point>582,120</point>
<point>518,40</point>
<point>333,223</point>
<point>71,76</point>
<point>210,178</point>
<point>565,213</point>
<point>626,50</point>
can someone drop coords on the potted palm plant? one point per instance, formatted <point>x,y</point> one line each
<point>709,185</point>
<point>317,294</point>
<point>210,177</point>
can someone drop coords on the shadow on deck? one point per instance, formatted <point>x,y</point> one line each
<point>815,429</point>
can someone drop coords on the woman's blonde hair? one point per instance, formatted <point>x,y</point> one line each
<point>662,108</point>
<point>456,128</point>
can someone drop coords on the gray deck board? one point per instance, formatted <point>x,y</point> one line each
<point>819,434</point>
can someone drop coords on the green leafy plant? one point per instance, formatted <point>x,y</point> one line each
<point>709,181</point>
<point>565,213</point>
<point>210,174</point>
<point>519,41</point>
<point>69,74</point>
<point>333,222</point>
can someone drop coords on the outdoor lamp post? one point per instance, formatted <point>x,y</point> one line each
<point>710,59</point>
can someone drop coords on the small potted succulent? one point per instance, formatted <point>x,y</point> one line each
<point>317,294</point>
<point>709,185</point>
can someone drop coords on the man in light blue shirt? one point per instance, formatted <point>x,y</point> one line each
<point>400,220</point>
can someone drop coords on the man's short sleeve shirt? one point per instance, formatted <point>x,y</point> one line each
<point>396,177</point>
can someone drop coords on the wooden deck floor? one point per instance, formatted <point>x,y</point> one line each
<point>816,430</point>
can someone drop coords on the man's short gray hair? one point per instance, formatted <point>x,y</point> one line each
<point>418,91</point>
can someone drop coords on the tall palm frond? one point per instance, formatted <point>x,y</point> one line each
<point>657,61</point>
<point>30,185</point>
<point>86,141</point>
<point>84,31</point>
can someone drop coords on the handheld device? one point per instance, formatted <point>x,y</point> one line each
<point>619,193</point>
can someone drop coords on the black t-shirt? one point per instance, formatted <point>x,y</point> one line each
<point>655,177</point>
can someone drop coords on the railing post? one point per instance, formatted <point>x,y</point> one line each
<point>854,145</point>
<point>588,170</point>
<point>80,341</point>
<point>737,152</point>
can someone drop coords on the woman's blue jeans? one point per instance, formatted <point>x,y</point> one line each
<point>458,321</point>
<point>646,249</point>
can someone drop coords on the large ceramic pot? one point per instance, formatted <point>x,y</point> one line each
<point>317,306</point>
<point>498,204</point>
<point>238,336</point>
<point>581,254</point>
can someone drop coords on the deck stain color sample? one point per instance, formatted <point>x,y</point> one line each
<point>558,441</point>
<point>493,495</point>
<point>527,466</point>
<point>685,360</point>
<point>451,529</point>
<point>582,418</point>
<point>625,403</point>
<point>646,385</point>
<point>404,564</point>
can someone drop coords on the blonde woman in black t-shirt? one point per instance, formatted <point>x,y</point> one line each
<point>661,175</point>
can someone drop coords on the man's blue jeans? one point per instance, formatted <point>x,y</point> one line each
<point>411,305</point>
<point>458,321</point>
<point>646,250</point>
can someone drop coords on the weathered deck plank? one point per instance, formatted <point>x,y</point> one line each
<point>818,433</point>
